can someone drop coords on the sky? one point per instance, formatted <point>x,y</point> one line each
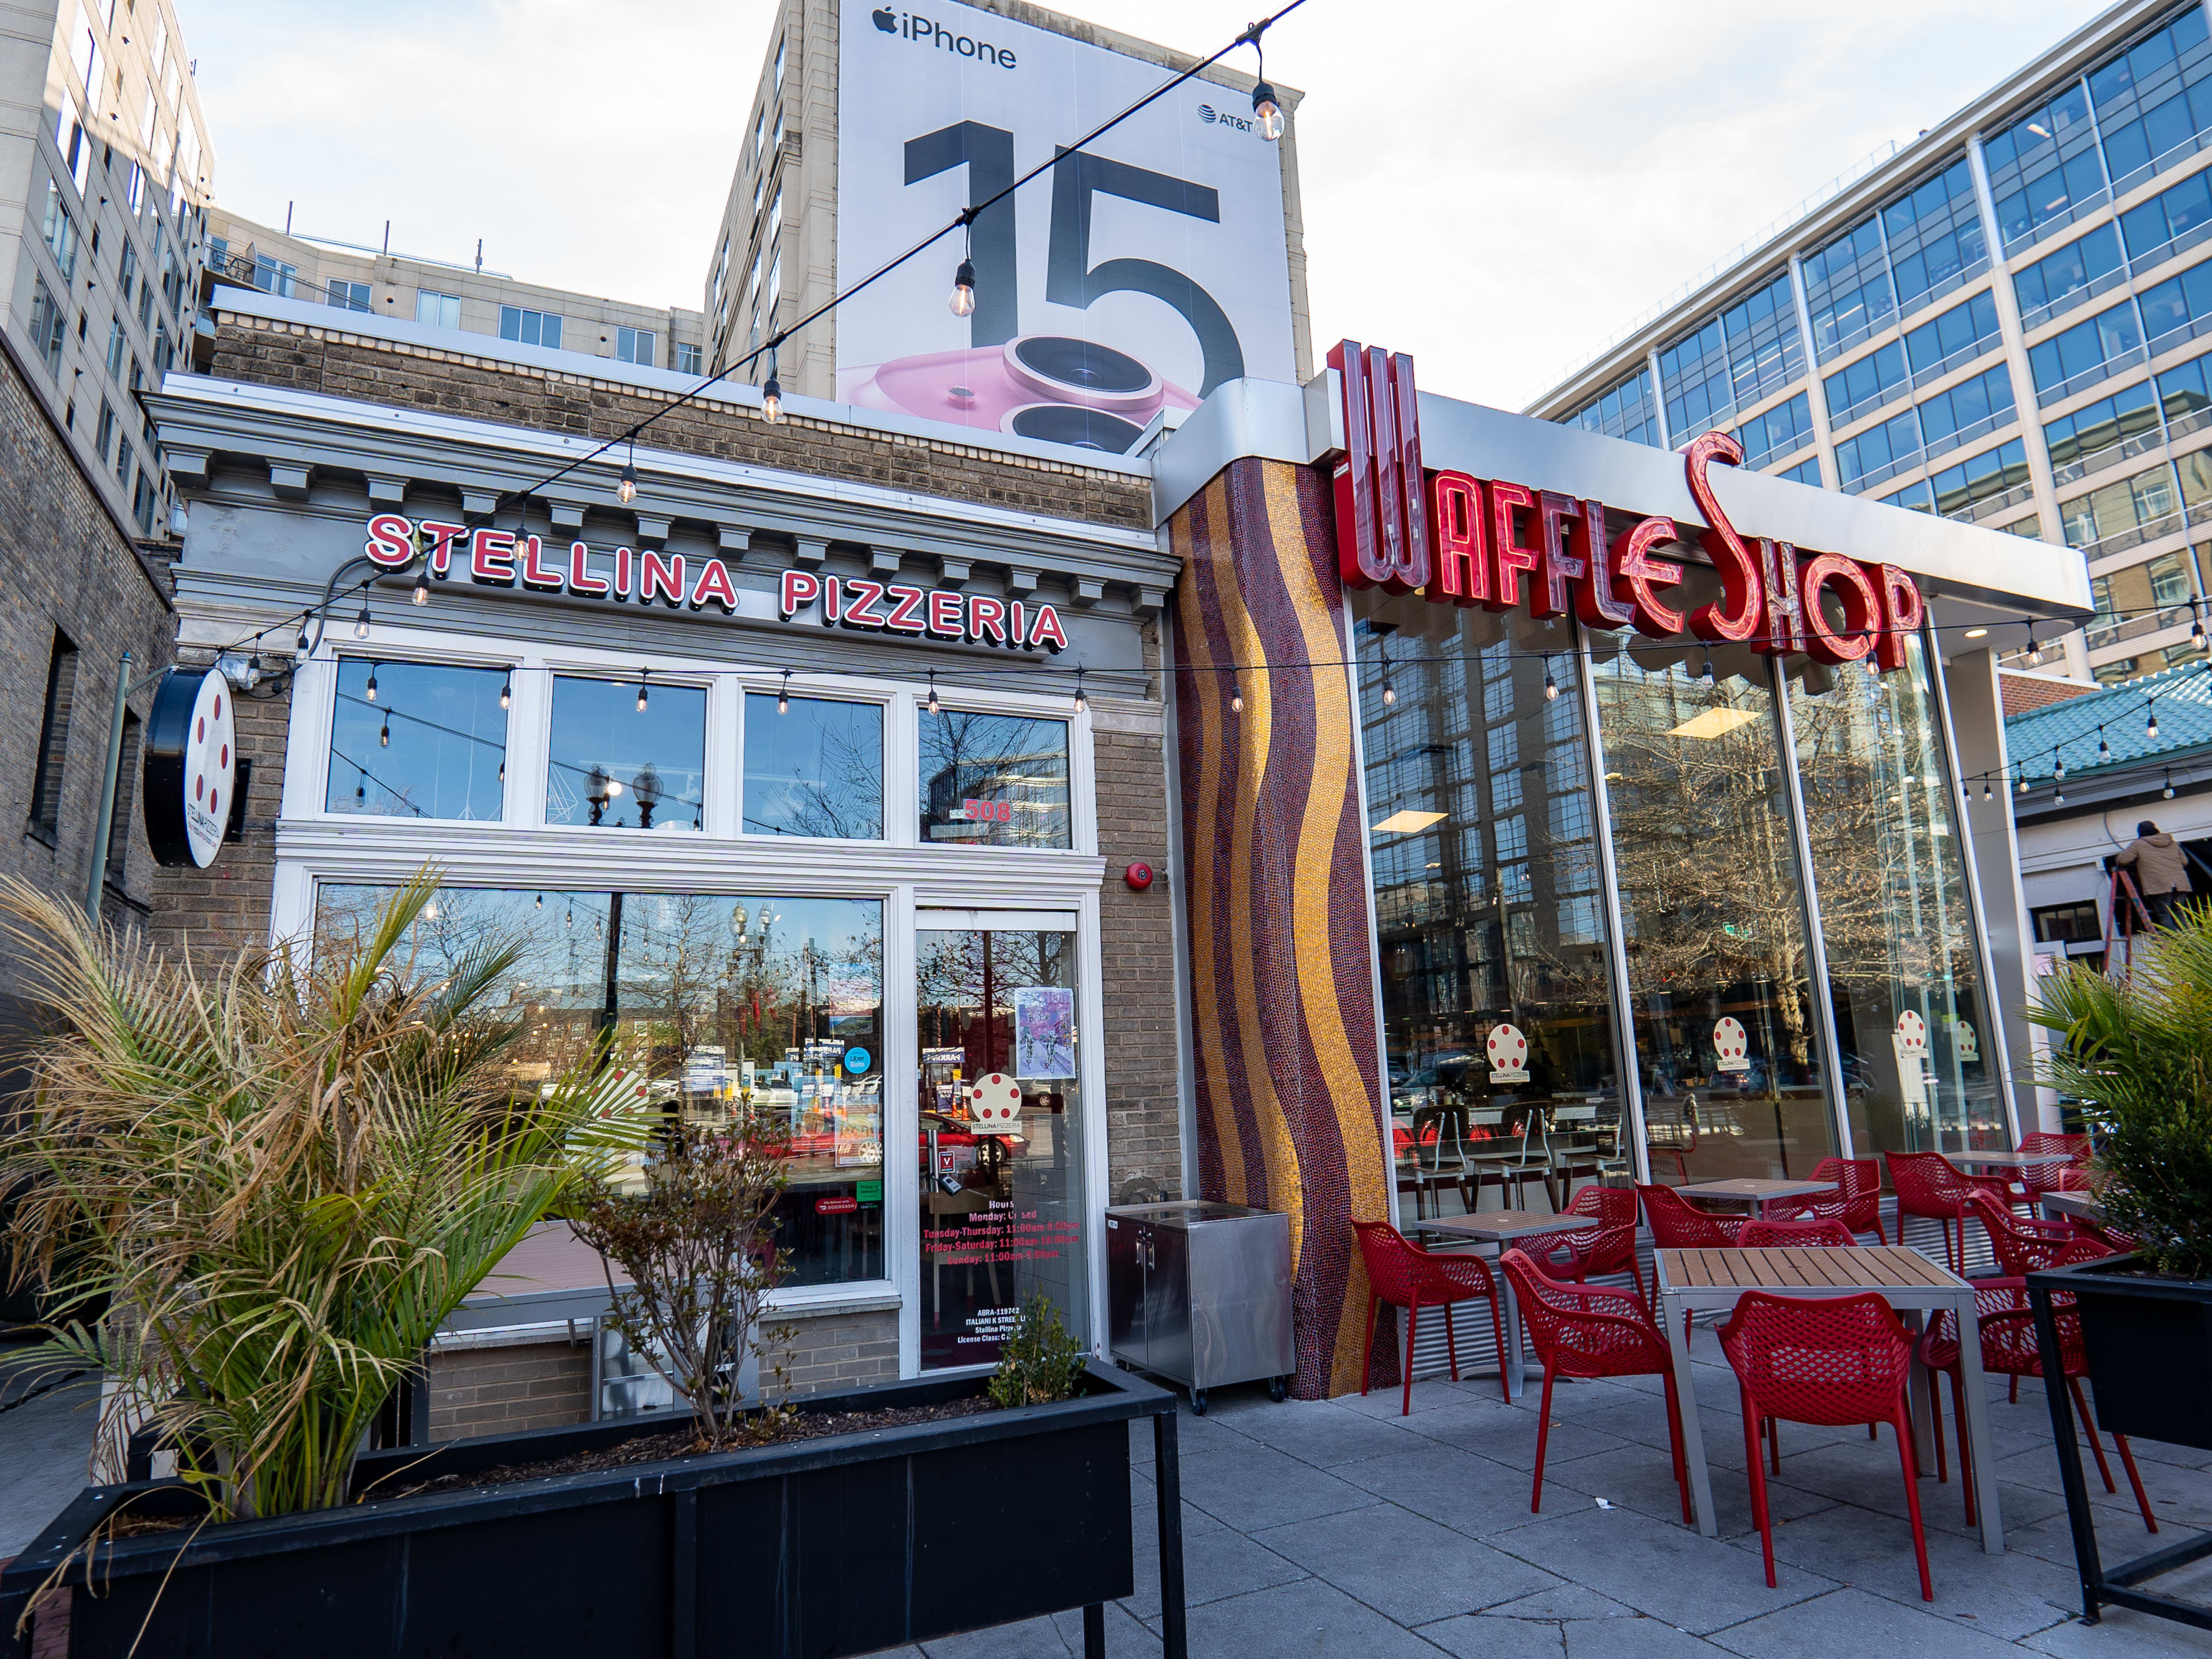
<point>1498,189</point>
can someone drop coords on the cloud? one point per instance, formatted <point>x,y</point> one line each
<point>1495,189</point>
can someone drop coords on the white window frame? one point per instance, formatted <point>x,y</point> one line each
<point>996,884</point>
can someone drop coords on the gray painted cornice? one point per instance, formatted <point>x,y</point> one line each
<point>213,430</point>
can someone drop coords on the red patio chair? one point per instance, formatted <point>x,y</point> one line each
<point>1591,1331</point>
<point>1827,1233</point>
<point>1607,1248</point>
<point>1930,1185</point>
<point>2023,1245</point>
<point>1856,1202</point>
<point>2009,1349</point>
<point>2071,1176</point>
<point>1401,1274</point>
<point>1828,1361</point>
<point>1678,1224</point>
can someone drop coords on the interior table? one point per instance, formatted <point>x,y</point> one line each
<point>1756,1192</point>
<point>1489,1232</point>
<point>1697,1281</point>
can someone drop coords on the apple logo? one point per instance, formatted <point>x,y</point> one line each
<point>885,19</point>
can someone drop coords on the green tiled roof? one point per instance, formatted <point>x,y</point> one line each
<point>2181,698</point>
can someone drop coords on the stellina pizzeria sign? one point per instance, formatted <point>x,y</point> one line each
<point>1467,541</point>
<point>500,558</point>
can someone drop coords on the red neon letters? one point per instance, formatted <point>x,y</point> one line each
<point>1466,541</point>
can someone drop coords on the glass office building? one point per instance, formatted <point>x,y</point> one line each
<point>2008,323</point>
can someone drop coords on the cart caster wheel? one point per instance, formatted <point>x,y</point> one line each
<point>1277,1390</point>
<point>1198,1402</point>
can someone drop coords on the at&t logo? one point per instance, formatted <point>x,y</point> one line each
<point>1214,117</point>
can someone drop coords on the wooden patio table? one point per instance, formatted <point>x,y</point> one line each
<point>1491,1232</point>
<point>1713,1280</point>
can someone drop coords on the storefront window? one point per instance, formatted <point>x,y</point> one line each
<point>727,1005</point>
<point>627,755</point>
<point>813,767</point>
<point>1712,913</point>
<point>1911,1027</point>
<point>1001,1143</point>
<point>993,779</point>
<point>1497,1009</point>
<point>417,740</point>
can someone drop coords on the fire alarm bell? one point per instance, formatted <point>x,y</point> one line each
<point>1139,876</point>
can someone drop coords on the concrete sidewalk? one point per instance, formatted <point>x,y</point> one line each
<point>1342,1529</point>
<point>45,1437</point>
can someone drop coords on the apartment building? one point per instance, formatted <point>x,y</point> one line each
<point>107,173</point>
<point>775,257</point>
<point>2005,323</point>
<point>447,294</point>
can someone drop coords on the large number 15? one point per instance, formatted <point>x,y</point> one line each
<point>1070,278</point>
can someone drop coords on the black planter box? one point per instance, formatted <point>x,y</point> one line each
<point>841,1545</point>
<point>2149,1342</point>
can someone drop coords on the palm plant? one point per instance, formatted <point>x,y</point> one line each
<point>254,1189</point>
<point>2138,1052</point>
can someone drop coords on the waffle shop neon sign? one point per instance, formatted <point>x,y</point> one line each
<point>500,558</point>
<point>1466,541</point>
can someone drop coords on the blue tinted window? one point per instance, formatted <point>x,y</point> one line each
<point>2151,98</point>
<point>993,779</point>
<point>2107,421</point>
<point>617,766</point>
<point>2178,302</point>
<point>1962,329</point>
<point>1892,442</point>
<point>1916,497</point>
<point>1986,396</point>
<point>2167,215</point>
<point>1762,347</point>
<point>1866,382</point>
<point>415,741</point>
<point>1695,374</point>
<point>1847,285</point>
<point>1934,233</point>
<point>1781,430</point>
<point>1626,411</point>
<point>1980,477</point>
<point>2184,390</point>
<point>2086,346</point>
<point>814,769</point>
<point>1807,471</point>
<point>2074,267</point>
<point>2044,166</point>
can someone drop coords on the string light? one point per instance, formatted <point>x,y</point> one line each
<point>641,674</point>
<point>2168,790</point>
<point>1082,702</point>
<point>1389,691</point>
<point>963,290</point>
<point>1987,793</point>
<point>421,593</point>
<point>1551,685</point>
<point>1266,109</point>
<point>2057,765</point>
<point>2196,623</point>
<point>2150,727</point>
<point>1236,700</point>
<point>361,624</point>
<point>384,735</point>
<point>2035,649</point>
<point>370,689</point>
<point>2104,749</point>
<point>783,695</point>
<point>1710,681</point>
<point>933,707</point>
<point>540,905</point>
<point>2023,781</point>
<point>2060,796</point>
<point>507,690</point>
<point>626,486</point>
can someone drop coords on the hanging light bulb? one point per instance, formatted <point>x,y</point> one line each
<point>361,624</point>
<point>361,784</point>
<point>1709,681</point>
<point>303,645</point>
<point>1082,702</point>
<point>2057,764</point>
<point>783,695</point>
<point>1389,691</point>
<point>1267,113</point>
<point>963,290</point>
<point>421,593</point>
<point>2023,783</point>
<point>626,486</point>
<point>570,920</point>
<point>933,707</point>
<point>1551,685</point>
<point>370,689</point>
<point>772,399</point>
<point>2060,797</point>
<point>640,689</point>
<point>2168,790</point>
<point>1988,793</point>
<point>384,734</point>
<point>2035,649</point>
<point>507,691</point>
<point>1236,700</point>
<point>2150,727</point>
<point>502,771</point>
<point>540,905</point>
<point>2196,623</point>
<point>2104,749</point>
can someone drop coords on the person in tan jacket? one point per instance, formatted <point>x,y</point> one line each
<point>2160,869</point>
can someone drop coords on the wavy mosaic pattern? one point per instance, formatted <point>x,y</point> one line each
<point>1282,986</point>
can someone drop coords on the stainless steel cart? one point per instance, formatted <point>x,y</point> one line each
<point>1199,1293</point>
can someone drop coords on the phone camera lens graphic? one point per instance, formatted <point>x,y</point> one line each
<point>1082,366</point>
<point>1085,429</point>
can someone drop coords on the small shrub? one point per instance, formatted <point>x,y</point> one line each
<point>1041,1360</point>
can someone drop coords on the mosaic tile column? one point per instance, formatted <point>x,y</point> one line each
<point>1282,988</point>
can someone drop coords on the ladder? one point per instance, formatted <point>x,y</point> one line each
<point>2120,922</point>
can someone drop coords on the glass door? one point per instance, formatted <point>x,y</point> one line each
<point>1000,1140</point>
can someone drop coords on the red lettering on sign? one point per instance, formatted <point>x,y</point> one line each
<point>836,1205</point>
<point>1736,618</point>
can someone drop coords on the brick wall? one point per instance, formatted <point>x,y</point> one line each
<point>843,1349</point>
<point>537,1385</point>
<point>1143,1136</point>
<point>66,565</point>
<point>214,911</point>
<point>342,365</point>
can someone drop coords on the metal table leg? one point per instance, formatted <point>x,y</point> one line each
<point>1975,1429</point>
<point>1686,1392</point>
<point>1167,1479</point>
